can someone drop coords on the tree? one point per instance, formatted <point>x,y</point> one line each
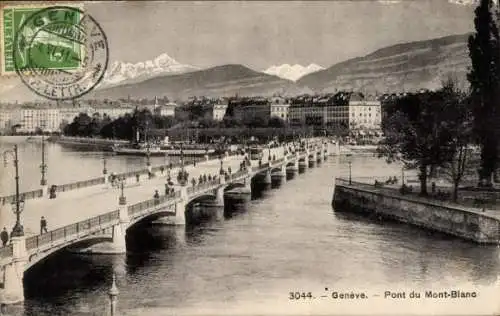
<point>419,129</point>
<point>460,163</point>
<point>484,52</point>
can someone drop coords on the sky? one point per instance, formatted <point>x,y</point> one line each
<point>259,34</point>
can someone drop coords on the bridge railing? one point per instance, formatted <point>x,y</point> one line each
<point>6,252</point>
<point>80,184</point>
<point>203,186</point>
<point>238,174</point>
<point>147,204</point>
<point>278,161</point>
<point>72,229</point>
<point>144,171</point>
<point>261,167</point>
<point>24,196</point>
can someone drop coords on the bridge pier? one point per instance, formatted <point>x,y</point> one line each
<point>45,190</point>
<point>119,244</point>
<point>293,169</point>
<point>180,207</point>
<point>304,164</point>
<point>319,155</point>
<point>312,159</point>
<point>13,291</point>
<point>248,185</point>
<point>267,177</point>
<point>281,175</point>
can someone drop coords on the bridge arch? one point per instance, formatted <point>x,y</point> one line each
<point>151,217</point>
<point>200,198</point>
<point>233,185</point>
<point>85,242</point>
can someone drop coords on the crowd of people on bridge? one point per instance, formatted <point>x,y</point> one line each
<point>169,185</point>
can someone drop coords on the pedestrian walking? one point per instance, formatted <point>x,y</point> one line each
<point>4,236</point>
<point>43,225</point>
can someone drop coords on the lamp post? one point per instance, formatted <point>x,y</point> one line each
<point>43,166</point>
<point>113,293</point>
<point>182,158</point>
<point>221,171</point>
<point>122,200</point>
<point>350,171</point>
<point>104,164</point>
<point>18,204</point>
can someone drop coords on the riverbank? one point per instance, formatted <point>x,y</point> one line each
<point>478,225</point>
<point>86,141</point>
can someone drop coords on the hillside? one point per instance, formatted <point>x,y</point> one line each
<point>402,67</point>
<point>226,80</point>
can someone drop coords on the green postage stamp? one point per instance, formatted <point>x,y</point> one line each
<point>44,41</point>
<point>59,52</point>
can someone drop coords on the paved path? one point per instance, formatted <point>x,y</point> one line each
<point>73,206</point>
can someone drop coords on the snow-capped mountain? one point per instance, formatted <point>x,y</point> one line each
<point>122,73</point>
<point>292,73</point>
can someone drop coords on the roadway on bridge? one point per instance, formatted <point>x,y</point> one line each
<point>73,206</point>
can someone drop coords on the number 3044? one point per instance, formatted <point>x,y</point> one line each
<point>299,295</point>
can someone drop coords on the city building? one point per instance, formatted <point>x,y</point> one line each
<point>280,108</point>
<point>250,110</point>
<point>218,111</point>
<point>326,112</point>
<point>32,119</point>
<point>364,113</point>
<point>165,110</point>
<point>6,117</point>
<point>113,112</point>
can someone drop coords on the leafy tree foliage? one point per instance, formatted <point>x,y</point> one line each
<point>484,52</point>
<point>421,130</point>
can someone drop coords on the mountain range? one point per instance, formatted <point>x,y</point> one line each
<point>226,80</point>
<point>292,73</point>
<point>123,73</point>
<point>401,67</point>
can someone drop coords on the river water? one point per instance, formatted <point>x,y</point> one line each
<point>289,239</point>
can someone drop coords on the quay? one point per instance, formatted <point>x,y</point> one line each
<point>474,224</point>
<point>96,219</point>
<point>86,141</point>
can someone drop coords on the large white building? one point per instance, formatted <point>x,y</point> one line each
<point>165,110</point>
<point>364,113</point>
<point>33,119</point>
<point>219,111</point>
<point>51,119</point>
<point>280,108</point>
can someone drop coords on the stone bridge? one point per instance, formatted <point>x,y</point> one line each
<point>106,233</point>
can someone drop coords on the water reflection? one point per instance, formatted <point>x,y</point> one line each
<point>279,240</point>
<point>408,252</point>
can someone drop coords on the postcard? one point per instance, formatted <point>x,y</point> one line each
<point>250,157</point>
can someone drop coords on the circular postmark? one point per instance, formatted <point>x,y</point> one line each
<point>60,53</point>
